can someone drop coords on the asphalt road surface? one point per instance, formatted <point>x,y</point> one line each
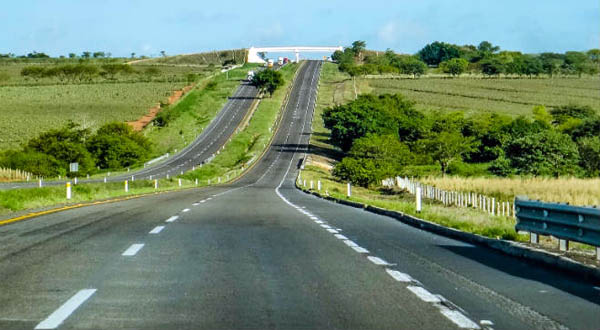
<point>212,138</point>
<point>259,254</point>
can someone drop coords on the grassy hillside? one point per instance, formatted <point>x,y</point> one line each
<point>218,58</point>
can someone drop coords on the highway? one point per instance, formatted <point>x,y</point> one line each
<point>261,254</point>
<point>210,140</point>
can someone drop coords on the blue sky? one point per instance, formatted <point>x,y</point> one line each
<point>146,27</point>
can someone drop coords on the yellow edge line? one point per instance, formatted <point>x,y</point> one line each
<point>80,205</point>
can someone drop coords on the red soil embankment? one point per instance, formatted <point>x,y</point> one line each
<point>139,124</point>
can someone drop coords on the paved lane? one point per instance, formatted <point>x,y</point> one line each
<point>261,254</point>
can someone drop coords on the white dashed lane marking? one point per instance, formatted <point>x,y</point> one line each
<point>173,218</point>
<point>423,294</point>
<point>157,229</point>
<point>185,210</point>
<point>378,261</point>
<point>350,243</point>
<point>458,318</point>
<point>340,236</point>
<point>333,231</point>
<point>133,250</point>
<point>359,249</point>
<point>398,276</point>
<point>58,316</point>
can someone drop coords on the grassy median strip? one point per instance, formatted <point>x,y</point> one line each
<point>33,198</point>
<point>246,146</point>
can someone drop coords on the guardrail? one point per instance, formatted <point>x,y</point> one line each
<point>563,221</point>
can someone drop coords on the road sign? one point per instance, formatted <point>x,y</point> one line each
<point>74,167</point>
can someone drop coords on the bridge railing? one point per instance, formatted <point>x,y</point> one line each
<point>563,221</point>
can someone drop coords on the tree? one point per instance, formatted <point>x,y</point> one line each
<point>99,54</point>
<point>66,145</point>
<point>492,66</point>
<point>447,147</point>
<point>373,158</point>
<point>594,55</point>
<point>562,114</point>
<point>547,153</point>
<point>268,80</point>
<point>367,114</point>
<point>413,67</point>
<point>589,150</point>
<point>486,47</point>
<point>72,55</point>
<point>358,47</point>
<point>132,55</point>
<point>86,55</point>
<point>437,52</point>
<point>532,66</point>
<point>115,145</point>
<point>551,63</point>
<point>163,53</point>
<point>455,66</point>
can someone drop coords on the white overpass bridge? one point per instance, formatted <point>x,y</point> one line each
<point>254,57</point>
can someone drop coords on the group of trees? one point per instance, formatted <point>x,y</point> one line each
<point>385,136</point>
<point>490,60</point>
<point>268,80</point>
<point>70,73</point>
<point>113,146</point>
<point>356,61</point>
<point>455,60</point>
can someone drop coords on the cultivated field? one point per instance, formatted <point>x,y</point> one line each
<point>29,110</point>
<point>473,94</point>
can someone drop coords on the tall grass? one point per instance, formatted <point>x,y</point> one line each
<point>565,190</point>
<point>9,175</point>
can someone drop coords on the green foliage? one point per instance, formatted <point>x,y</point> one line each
<point>268,80</point>
<point>546,153</point>
<point>367,114</point>
<point>562,114</point>
<point>448,147</point>
<point>492,66</point>
<point>455,66</point>
<point>540,113</point>
<point>437,52</point>
<point>589,150</point>
<point>115,145</point>
<point>33,162</point>
<point>67,145</point>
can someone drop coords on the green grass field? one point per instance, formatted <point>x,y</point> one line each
<point>29,110</point>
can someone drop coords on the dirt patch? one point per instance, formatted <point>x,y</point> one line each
<point>142,122</point>
<point>320,162</point>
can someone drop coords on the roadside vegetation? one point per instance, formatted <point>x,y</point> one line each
<point>458,129</point>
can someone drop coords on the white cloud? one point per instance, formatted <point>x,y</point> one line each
<point>396,33</point>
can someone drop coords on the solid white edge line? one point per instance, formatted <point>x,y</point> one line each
<point>458,318</point>
<point>132,250</point>
<point>423,294</point>
<point>399,276</point>
<point>63,312</point>
<point>157,229</point>
<point>173,218</point>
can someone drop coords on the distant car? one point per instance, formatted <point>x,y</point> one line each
<point>250,75</point>
<point>270,63</point>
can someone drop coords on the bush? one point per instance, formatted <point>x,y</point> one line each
<point>116,145</point>
<point>463,169</point>
<point>33,162</point>
<point>589,150</point>
<point>545,153</point>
